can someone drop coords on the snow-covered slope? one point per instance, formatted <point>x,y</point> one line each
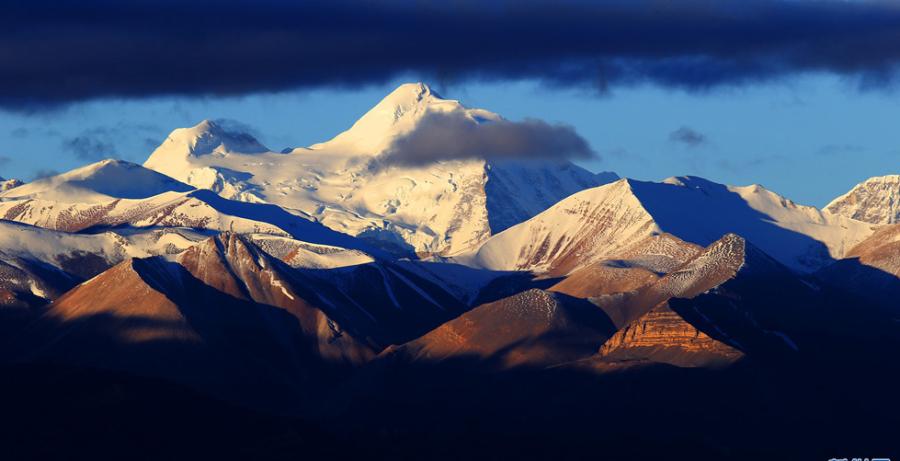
<point>445,207</point>
<point>304,255</point>
<point>875,200</point>
<point>41,264</point>
<point>606,221</point>
<point>719,262</point>
<point>196,209</point>
<point>97,182</point>
<point>97,197</point>
<point>59,249</point>
<point>110,193</point>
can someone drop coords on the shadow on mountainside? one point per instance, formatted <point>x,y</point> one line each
<point>298,227</point>
<point>392,302</point>
<point>816,316</point>
<point>237,350</point>
<point>702,211</point>
<point>853,279</point>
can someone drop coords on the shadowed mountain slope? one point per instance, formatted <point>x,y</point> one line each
<point>603,222</point>
<point>534,328</point>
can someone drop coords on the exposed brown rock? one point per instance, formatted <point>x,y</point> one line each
<point>663,336</point>
<point>631,268</point>
<point>150,317</point>
<point>881,250</point>
<point>534,328</point>
<point>651,331</point>
<point>235,266</point>
<point>713,266</point>
<point>604,278</point>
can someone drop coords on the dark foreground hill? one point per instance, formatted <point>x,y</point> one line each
<point>459,410</point>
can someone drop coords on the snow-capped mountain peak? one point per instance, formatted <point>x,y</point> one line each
<point>205,138</point>
<point>397,114</point>
<point>875,200</point>
<point>444,207</point>
<point>208,137</point>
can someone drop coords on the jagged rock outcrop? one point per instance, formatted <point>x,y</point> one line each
<point>663,336</point>
<point>875,200</point>
<point>7,184</point>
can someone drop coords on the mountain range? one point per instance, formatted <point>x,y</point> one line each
<point>308,282</point>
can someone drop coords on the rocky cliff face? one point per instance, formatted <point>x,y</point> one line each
<point>881,250</point>
<point>662,336</point>
<point>7,184</point>
<point>875,200</point>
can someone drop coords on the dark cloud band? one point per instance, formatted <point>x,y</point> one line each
<point>54,52</point>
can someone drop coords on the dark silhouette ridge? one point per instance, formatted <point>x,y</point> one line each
<point>55,411</point>
<point>463,408</point>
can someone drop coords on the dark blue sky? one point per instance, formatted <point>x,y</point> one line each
<point>797,95</point>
